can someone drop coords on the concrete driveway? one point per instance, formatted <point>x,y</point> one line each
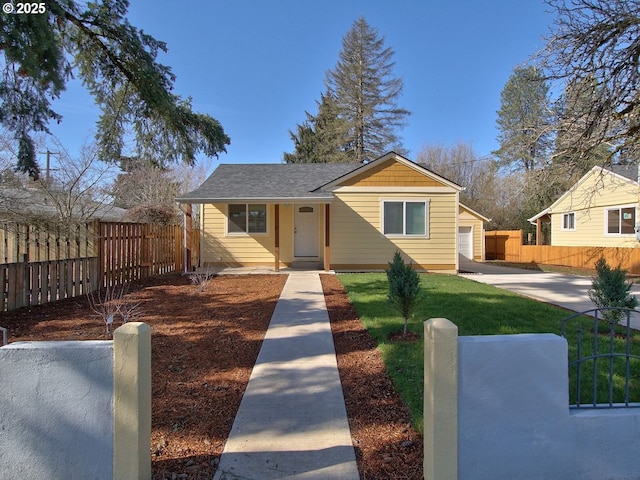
<point>564,290</point>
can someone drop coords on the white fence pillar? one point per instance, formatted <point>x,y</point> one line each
<point>440,400</point>
<point>132,402</point>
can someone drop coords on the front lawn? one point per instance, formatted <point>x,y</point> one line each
<point>476,308</point>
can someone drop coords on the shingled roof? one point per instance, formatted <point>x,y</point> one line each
<point>268,182</point>
<point>627,171</point>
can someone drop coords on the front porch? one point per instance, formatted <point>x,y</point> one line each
<point>262,270</point>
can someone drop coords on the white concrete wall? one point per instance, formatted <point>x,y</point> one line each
<point>56,410</point>
<point>514,419</point>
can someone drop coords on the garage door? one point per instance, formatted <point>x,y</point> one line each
<point>465,242</point>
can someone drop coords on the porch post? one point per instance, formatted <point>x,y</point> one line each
<point>327,243</point>
<point>539,231</point>
<point>277,238</point>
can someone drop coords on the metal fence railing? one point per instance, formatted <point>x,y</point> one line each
<point>604,358</point>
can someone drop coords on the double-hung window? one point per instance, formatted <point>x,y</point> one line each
<point>621,221</point>
<point>405,217</point>
<point>569,221</point>
<point>247,218</point>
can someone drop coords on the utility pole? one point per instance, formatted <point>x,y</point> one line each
<point>48,168</point>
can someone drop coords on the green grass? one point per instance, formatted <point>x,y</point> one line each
<point>476,309</point>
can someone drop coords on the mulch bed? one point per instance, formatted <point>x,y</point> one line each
<point>204,345</point>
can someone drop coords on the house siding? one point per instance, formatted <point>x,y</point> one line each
<point>466,219</point>
<point>391,174</point>
<point>357,239</point>
<point>589,201</point>
<point>218,248</point>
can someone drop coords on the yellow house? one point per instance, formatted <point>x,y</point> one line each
<point>471,233</point>
<point>599,210</point>
<point>338,216</point>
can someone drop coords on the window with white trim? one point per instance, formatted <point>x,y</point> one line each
<point>621,221</point>
<point>247,218</point>
<point>569,221</point>
<point>405,217</point>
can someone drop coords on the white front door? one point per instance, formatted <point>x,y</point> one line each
<point>465,242</point>
<point>305,230</point>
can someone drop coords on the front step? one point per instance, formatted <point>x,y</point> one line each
<point>306,265</point>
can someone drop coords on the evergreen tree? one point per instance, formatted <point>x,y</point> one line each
<point>116,62</point>
<point>319,138</point>
<point>576,108</point>
<point>611,290</point>
<point>304,142</point>
<point>404,288</point>
<point>366,94</point>
<point>525,121</point>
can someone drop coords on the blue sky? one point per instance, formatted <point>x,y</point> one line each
<point>257,65</point>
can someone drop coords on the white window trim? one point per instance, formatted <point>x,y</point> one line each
<point>562,227</point>
<point>246,234</point>
<point>427,214</point>
<point>619,208</point>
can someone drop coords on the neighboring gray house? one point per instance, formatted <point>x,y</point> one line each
<point>19,204</point>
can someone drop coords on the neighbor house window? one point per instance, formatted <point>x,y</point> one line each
<point>569,221</point>
<point>247,218</point>
<point>621,221</point>
<point>405,218</point>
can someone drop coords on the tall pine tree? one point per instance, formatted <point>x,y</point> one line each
<point>525,121</point>
<point>366,92</point>
<point>320,138</point>
<point>358,117</point>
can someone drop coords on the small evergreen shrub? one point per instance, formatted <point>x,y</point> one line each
<point>404,287</point>
<point>610,289</point>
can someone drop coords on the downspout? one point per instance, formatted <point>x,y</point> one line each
<point>184,240</point>
<point>184,237</point>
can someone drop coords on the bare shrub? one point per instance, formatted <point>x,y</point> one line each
<point>202,278</point>
<point>109,303</point>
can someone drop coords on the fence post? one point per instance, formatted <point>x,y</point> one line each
<point>132,402</point>
<point>440,400</point>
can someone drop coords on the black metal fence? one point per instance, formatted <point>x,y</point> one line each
<point>604,358</point>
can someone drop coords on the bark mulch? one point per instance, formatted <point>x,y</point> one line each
<point>204,345</point>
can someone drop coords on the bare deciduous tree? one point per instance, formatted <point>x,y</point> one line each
<point>594,50</point>
<point>74,192</point>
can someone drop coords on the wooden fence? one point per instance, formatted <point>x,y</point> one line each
<point>107,254</point>
<point>503,245</point>
<point>507,245</point>
<point>39,243</point>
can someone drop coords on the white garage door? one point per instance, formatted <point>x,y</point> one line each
<point>465,242</point>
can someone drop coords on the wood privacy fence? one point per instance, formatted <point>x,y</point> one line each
<point>503,245</point>
<point>51,265</point>
<point>507,245</point>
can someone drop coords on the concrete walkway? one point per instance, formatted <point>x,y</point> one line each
<point>563,290</point>
<point>292,422</point>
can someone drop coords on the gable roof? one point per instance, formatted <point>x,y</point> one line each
<point>309,182</point>
<point>626,173</point>
<point>474,213</point>
<point>33,202</point>
<point>267,182</point>
<point>630,172</point>
<point>421,169</point>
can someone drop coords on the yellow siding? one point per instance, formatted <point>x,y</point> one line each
<point>391,174</point>
<point>466,219</point>
<point>257,249</point>
<point>357,239</point>
<point>589,201</point>
<point>219,248</point>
